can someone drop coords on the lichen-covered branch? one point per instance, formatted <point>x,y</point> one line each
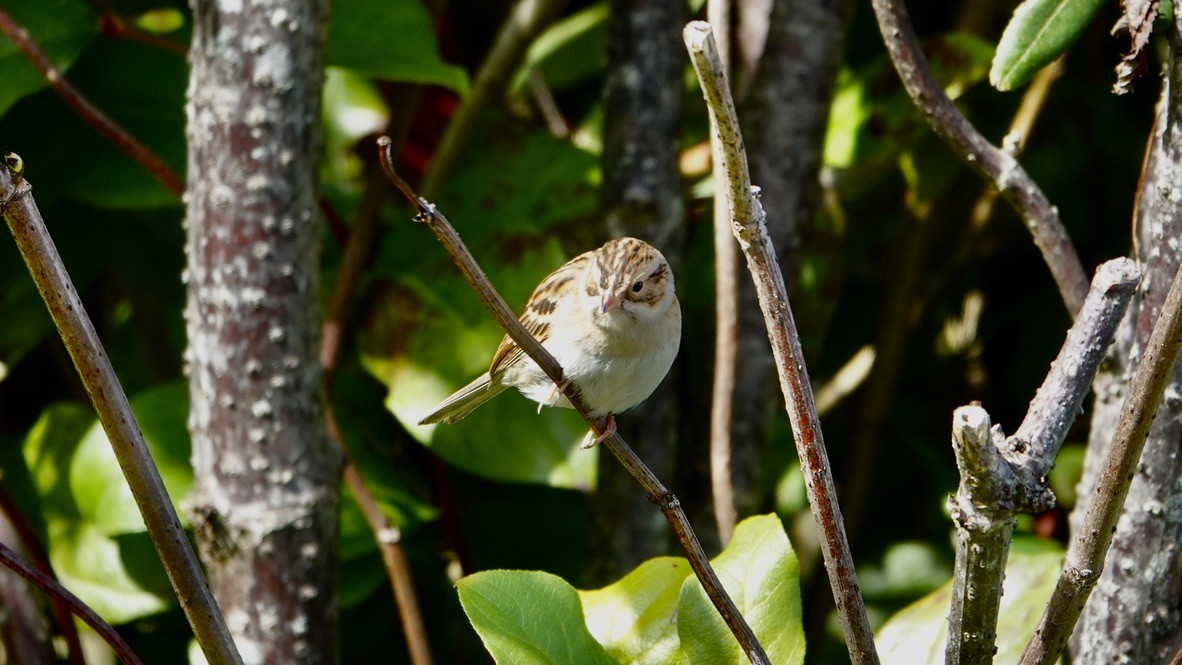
<point>114,412</point>
<point>1089,544</point>
<point>615,444</point>
<point>749,228</point>
<point>1000,476</point>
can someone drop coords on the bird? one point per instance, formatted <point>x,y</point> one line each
<point>611,319</point>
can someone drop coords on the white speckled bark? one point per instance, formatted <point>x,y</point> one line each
<point>264,507</point>
<point>1134,614</point>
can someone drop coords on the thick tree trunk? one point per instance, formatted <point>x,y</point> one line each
<point>1134,615</point>
<point>641,196</point>
<point>264,507</point>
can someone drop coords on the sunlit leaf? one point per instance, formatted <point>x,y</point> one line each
<point>759,571</point>
<point>392,39</point>
<point>635,618</point>
<point>1039,32</point>
<point>527,617</point>
<point>121,577</point>
<point>96,480</point>
<point>917,634</point>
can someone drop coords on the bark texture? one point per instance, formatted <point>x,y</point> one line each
<point>784,120</point>
<point>264,507</point>
<point>1134,615</point>
<point>641,196</point>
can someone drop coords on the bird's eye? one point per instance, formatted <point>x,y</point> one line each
<point>637,287</point>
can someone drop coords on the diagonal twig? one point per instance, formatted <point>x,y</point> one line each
<point>114,412</point>
<point>59,594</point>
<point>1089,545</point>
<point>106,127</point>
<point>747,223</point>
<point>35,551</point>
<point>993,164</point>
<point>658,493</point>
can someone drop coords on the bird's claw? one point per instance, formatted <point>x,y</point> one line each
<point>555,395</point>
<point>608,431</point>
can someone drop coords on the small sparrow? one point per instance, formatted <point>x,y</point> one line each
<point>611,319</point>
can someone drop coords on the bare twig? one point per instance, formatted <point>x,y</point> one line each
<point>1089,545</point>
<point>726,315</point>
<point>747,222</point>
<point>106,127</point>
<point>389,539</point>
<point>525,21</point>
<point>35,551</point>
<point>547,106</point>
<point>995,165</point>
<point>662,497</point>
<point>1002,476</point>
<point>94,368</point>
<point>60,595</point>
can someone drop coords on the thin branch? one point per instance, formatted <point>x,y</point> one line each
<point>1002,476</point>
<point>526,20</point>
<point>547,106</point>
<point>747,222</point>
<point>726,315</point>
<point>110,402</point>
<point>1089,546</point>
<point>991,163</point>
<point>389,539</point>
<point>662,497</point>
<point>106,127</point>
<point>59,594</point>
<point>35,551</point>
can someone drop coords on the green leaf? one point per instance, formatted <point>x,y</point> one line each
<point>392,40</point>
<point>1039,32</point>
<point>426,334</point>
<point>526,617</point>
<point>61,28</point>
<point>918,633</point>
<point>96,480</point>
<point>759,571</point>
<point>634,619</point>
<point>120,578</point>
<point>570,51</point>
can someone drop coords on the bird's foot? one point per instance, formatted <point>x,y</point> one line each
<point>555,394</point>
<point>608,431</point>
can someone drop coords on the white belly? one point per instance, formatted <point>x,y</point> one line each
<point>613,374</point>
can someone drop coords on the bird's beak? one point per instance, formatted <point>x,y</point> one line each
<point>608,301</point>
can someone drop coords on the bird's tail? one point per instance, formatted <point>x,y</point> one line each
<point>464,401</point>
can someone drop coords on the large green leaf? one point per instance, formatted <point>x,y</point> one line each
<point>656,615</point>
<point>97,481</point>
<point>61,28</point>
<point>119,576</point>
<point>918,633</point>
<point>426,334</point>
<point>1039,32</point>
<point>526,617</point>
<point>390,39</point>
<point>86,167</point>
<point>759,571</point>
<point>634,619</point>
